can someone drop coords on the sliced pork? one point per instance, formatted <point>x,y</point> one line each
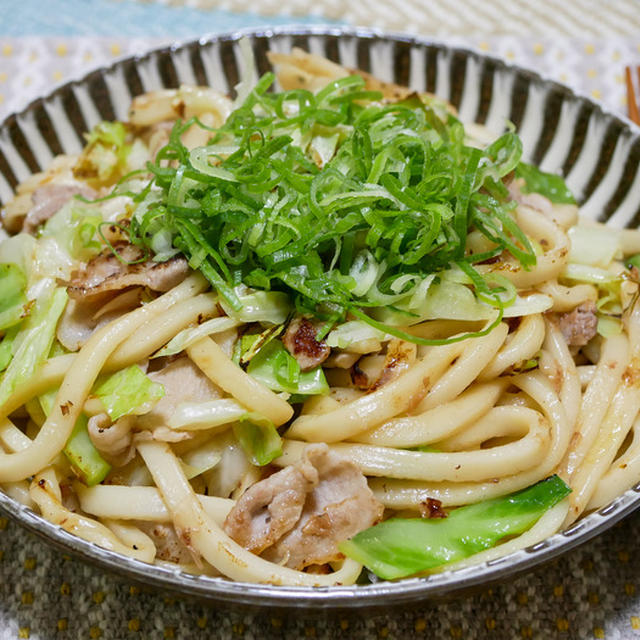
<point>107,272</point>
<point>580,325</point>
<point>49,199</point>
<point>299,515</point>
<point>182,382</point>
<point>300,341</point>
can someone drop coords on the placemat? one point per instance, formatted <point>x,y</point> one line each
<point>591,592</point>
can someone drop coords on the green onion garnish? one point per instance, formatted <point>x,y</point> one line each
<point>338,199</point>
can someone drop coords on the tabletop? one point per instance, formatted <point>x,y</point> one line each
<point>591,592</point>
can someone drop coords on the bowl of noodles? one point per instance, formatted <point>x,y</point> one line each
<point>318,318</point>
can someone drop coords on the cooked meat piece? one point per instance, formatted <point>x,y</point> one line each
<point>341,360</point>
<point>338,504</point>
<point>106,272</point>
<point>182,382</point>
<point>169,545</point>
<point>76,324</point>
<point>389,90</point>
<point>82,317</point>
<point>161,434</point>
<point>432,508</point>
<point>300,341</point>
<point>15,210</point>
<point>271,507</point>
<point>579,325</point>
<point>159,137</point>
<point>49,199</point>
<point>302,70</point>
<point>373,372</point>
<point>112,439</point>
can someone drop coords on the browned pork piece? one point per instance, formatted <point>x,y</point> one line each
<point>169,546</point>
<point>297,516</point>
<point>106,272</point>
<point>182,382</point>
<point>580,325</point>
<point>113,440</point>
<point>300,341</point>
<point>49,199</point>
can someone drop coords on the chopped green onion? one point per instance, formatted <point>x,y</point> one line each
<point>335,201</point>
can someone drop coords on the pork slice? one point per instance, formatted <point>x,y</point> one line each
<point>112,439</point>
<point>271,507</point>
<point>82,317</point>
<point>580,325</point>
<point>106,272</point>
<point>170,546</point>
<point>182,382</point>
<point>49,199</point>
<point>298,516</point>
<point>300,341</point>
<point>337,508</point>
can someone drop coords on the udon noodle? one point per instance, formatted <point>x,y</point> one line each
<point>547,384</point>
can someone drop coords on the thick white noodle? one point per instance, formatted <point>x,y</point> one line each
<point>623,474</point>
<point>45,492</point>
<point>568,298</point>
<point>140,503</point>
<point>222,371</point>
<point>595,401</point>
<point>415,390</point>
<point>460,466</point>
<point>617,423</point>
<point>404,494</point>
<point>522,345</point>
<point>437,423</point>
<point>78,381</point>
<point>549,265</point>
<point>559,366</point>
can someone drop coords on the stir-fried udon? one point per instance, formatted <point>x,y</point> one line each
<point>317,327</point>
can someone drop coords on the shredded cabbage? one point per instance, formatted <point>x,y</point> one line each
<point>259,438</point>
<point>31,346</point>
<point>128,391</point>
<point>277,369</point>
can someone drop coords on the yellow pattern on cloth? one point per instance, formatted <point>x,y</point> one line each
<point>577,18</point>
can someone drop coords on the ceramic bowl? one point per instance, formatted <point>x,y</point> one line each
<point>597,152</point>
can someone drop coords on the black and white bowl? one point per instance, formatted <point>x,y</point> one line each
<point>597,152</point>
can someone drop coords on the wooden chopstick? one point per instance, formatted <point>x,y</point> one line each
<point>632,105</point>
